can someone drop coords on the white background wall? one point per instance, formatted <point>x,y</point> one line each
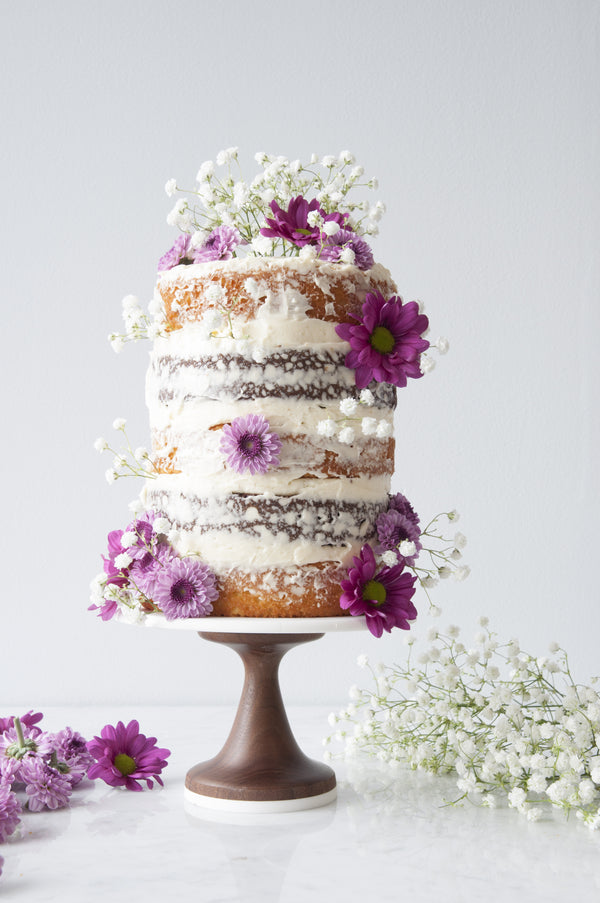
<point>480,119</point>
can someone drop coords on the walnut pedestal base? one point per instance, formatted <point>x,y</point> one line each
<point>261,768</point>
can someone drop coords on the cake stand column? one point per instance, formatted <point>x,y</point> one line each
<point>261,767</point>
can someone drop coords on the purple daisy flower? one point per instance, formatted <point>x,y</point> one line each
<point>185,588</point>
<point>248,445</point>
<point>176,255</point>
<point>124,757</point>
<point>384,596</point>
<point>45,786</point>
<point>334,244</point>
<point>393,527</point>
<point>292,224</point>
<point>220,245</point>
<point>10,811</point>
<point>386,343</point>
<point>71,749</point>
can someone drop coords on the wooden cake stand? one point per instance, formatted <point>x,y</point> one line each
<point>261,768</point>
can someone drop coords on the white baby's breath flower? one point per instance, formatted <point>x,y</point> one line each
<point>331,227</point>
<point>326,427</point>
<point>390,558</point>
<point>362,661</point>
<point>367,398</point>
<point>129,538</point>
<point>384,429</point>
<point>368,426</point>
<point>347,255</point>
<point>116,342</point>
<point>346,435</point>
<point>427,363</point>
<point>110,475</point>
<point>460,541</point>
<point>161,525</point>
<point>461,573</point>
<point>119,423</point>
<point>141,454</point>
<point>226,156</point>
<point>123,560</point>
<point>206,171</point>
<point>407,548</point>
<point>442,344</point>
<point>170,187</point>
<point>348,406</point>
<point>100,444</point>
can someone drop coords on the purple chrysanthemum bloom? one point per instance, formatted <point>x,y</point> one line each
<point>71,750</point>
<point>384,596</point>
<point>10,811</point>
<point>387,342</point>
<point>28,720</point>
<point>140,549</point>
<point>179,253</point>
<point>248,445</point>
<point>144,574</point>
<point>185,588</point>
<point>220,245</point>
<point>334,244</point>
<point>125,757</point>
<point>45,786</point>
<point>399,502</point>
<point>393,527</point>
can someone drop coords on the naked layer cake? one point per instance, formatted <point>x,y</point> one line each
<point>278,348</point>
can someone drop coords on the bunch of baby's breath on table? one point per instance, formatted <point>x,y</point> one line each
<point>505,723</point>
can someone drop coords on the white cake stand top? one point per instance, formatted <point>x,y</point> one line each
<point>258,625</point>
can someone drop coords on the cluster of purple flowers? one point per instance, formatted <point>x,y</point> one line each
<point>219,245</point>
<point>44,766</point>
<point>143,572</point>
<point>381,592</point>
<point>293,225</point>
<point>39,769</point>
<point>386,342</point>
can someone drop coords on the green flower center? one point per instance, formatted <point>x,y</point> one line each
<point>374,591</point>
<point>124,763</point>
<point>382,340</point>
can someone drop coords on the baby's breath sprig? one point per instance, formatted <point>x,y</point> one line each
<point>342,428</point>
<point>505,723</point>
<point>226,199</point>
<point>129,463</point>
<point>440,556</point>
<point>139,324</point>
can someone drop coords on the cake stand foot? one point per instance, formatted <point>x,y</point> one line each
<point>261,768</point>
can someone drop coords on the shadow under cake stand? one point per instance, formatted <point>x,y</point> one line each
<point>261,768</point>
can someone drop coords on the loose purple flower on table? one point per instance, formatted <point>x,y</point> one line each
<point>179,253</point>
<point>10,811</point>
<point>185,588</point>
<point>249,446</point>
<point>339,241</point>
<point>386,342</point>
<point>383,597</point>
<point>72,754</point>
<point>220,245</point>
<point>125,757</point>
<point>45,786</point>
<point>29,720</point>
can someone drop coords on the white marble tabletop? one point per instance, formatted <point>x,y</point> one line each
<point>389,839</point>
